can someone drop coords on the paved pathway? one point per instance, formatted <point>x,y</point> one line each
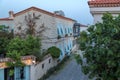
<point>71,71</point>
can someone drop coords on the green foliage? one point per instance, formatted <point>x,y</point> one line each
<point>16,59</point>
<point>54,51</point>
<point>11,72</point>
<point>3,28</point>
<point>18,45</point>
<point>101,44</point>
<point>33,46</point>
<point>78,59</point>
<point>5,38</point>
<point>29,46</point>
<point>3,44</point>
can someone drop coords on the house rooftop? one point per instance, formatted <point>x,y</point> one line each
<point>104,3</point>
<point>39,10</point>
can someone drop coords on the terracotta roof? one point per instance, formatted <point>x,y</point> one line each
<point>39,10</point>
<point>104,3</point>
<point>43,11</point>
<point>5,19</point>
<point>81,25</point>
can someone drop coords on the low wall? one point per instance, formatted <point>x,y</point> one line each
<point>38,70</point>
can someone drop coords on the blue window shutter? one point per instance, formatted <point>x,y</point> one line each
<point>60,57</point>
<point>69,44</point>
<point>1,74</point>
<point>59,29</point>
<point>65,31</point>
<point>70,30</point>
<point>62,29</point>
<point>27,73</point>
<point>17,73</point>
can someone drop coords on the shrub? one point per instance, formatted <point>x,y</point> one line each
<point>58,37</point>
<point>54,51</point>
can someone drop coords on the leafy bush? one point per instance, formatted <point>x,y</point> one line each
<point>16,57</point>
<point>54,51</point>
<point>3,43</point>
<point>18,47</point>
<point>33,45</point>
<point>5,38</point>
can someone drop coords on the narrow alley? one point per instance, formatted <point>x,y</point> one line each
<point>71,71</point>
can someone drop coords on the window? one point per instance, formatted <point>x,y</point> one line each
<point>61,31</point>
<point>77,30</point>
<point>42,65</point>
<point>20,73</point>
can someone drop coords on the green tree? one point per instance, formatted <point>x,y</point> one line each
<point>29,46</point>
<point>101,47</point>
<point>5,37</point>
<point>33,46</point>
<point>16,59</point>
<point>17,44</point>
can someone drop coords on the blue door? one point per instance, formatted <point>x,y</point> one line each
<point>22,73</point>
<point>1,74</point>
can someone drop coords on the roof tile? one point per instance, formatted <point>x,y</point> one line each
<point>104,3</point>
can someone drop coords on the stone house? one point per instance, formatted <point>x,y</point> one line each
<point>57,31</point>
<point>55,26</point>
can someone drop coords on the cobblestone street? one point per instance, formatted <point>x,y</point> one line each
<point>71,71</point>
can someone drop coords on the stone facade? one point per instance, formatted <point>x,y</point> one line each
<point>54,26</point>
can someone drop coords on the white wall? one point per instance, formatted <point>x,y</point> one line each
<point>83,29</point>
<point>37,71</point>
<point>97,12</point>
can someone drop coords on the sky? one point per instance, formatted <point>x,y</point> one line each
<point>75,9</point>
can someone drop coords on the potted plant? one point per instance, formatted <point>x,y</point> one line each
<point>70,33</point>
<point>58,37</point>
<point>66,35</point>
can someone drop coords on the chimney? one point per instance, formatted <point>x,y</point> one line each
<point>11,14</point>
